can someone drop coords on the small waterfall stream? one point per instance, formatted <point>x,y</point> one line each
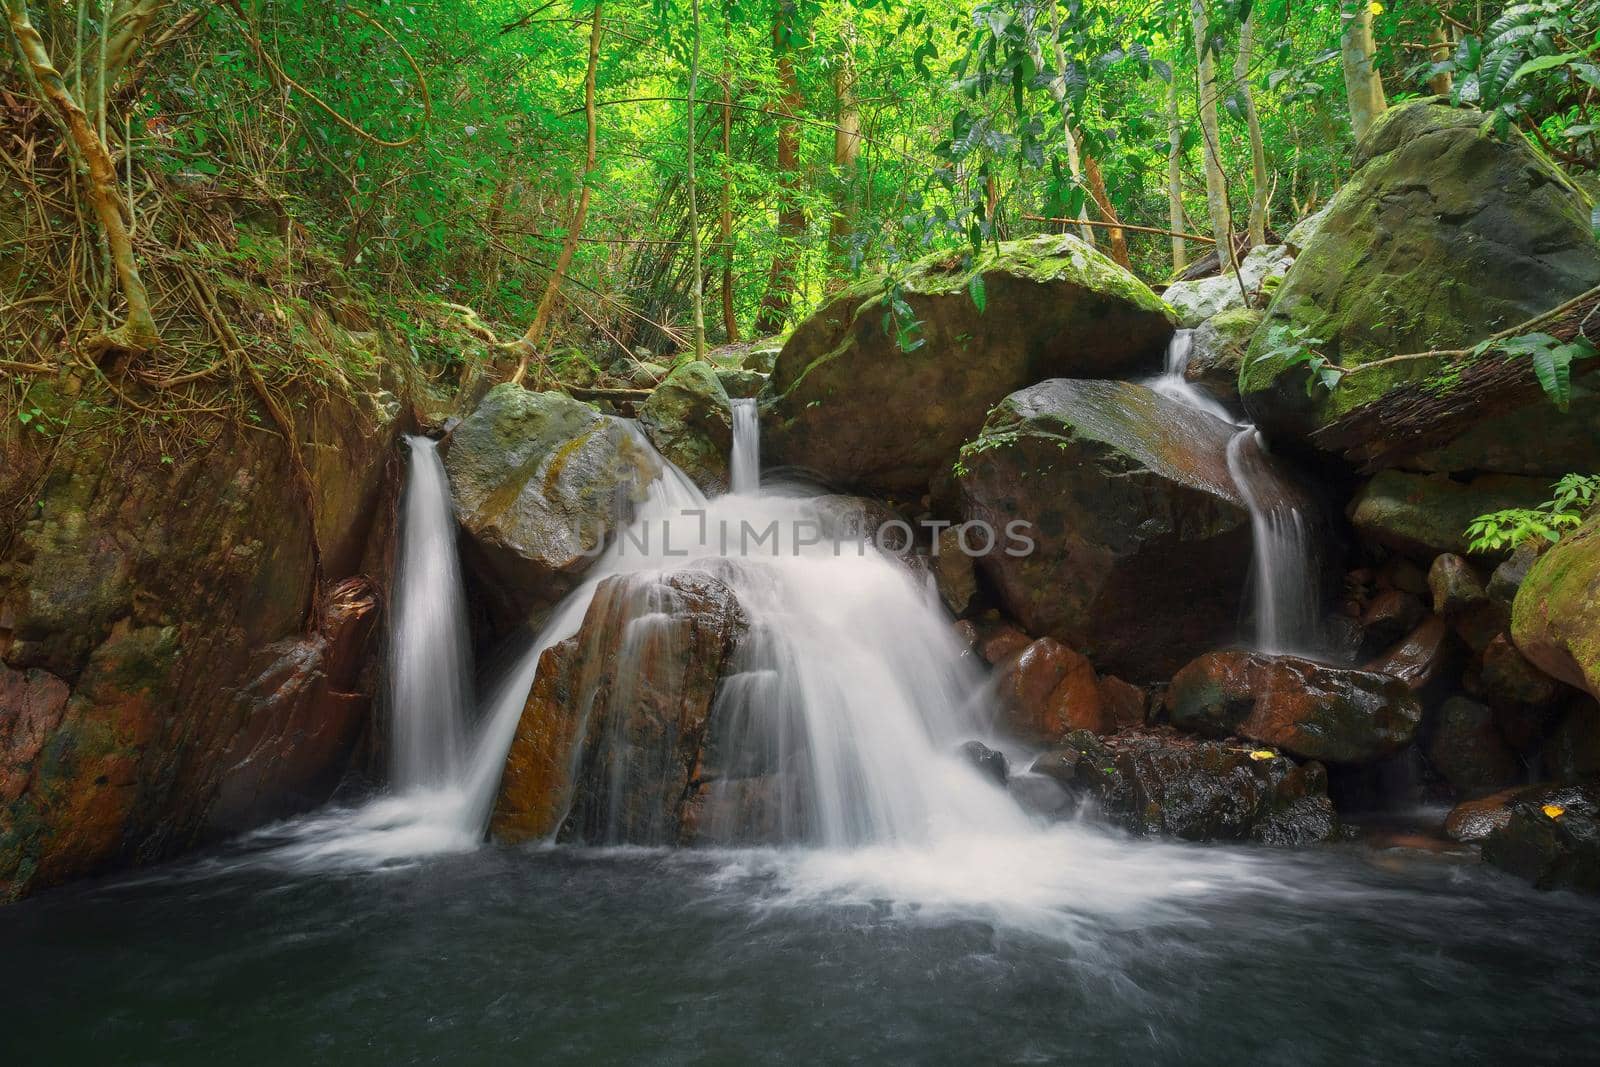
<point>1284,591</point>
<point>430,659</point>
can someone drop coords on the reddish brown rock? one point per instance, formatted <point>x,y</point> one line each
<point>1467,749</point>
<point>1390,616</point>
<point>1474,820</point>
<point>1454,586</point>
<point>1122,706</point>
<point>31,705</point>
<point>1046,689</point>
<point>1508,678</point>
<point>1418,659</point>
<point>1308,709</point>
<point>1001,643</point>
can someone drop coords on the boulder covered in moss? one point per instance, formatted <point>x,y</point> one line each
<point>1555,619</point>
<point>689,420</point>
<point>541,483</point>
<point>1139,539</point>
<point>879,388</point>
<point>1217,352</point>
<point>1446,234</point>
<point>1420,515</point>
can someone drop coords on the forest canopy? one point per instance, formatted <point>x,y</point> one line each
<point>574,174</point>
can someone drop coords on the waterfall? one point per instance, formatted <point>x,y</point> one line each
<point>430,661</point>
<point>1284,564</point>
<point>745,462</point>
<point>1284,592</point>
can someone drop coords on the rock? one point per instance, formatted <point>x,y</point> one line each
<point>1419,658</point>
<point>1218,350</point>
<point>1468,751</point>
<point>1454,586</point>
<point>1041,795</point>
<point>1000,643</point>
<point>1197,301</point>
<point>626,702</point>
<point>847,403</point>
<point>986,761</point>
<point>541,482</point>
<point>1129,504</point>
<point>954,573</point>
<point>647,375</point>
<point>1508,678</point>
<point>689,421</point>
<point>1402,574</point>
<point>741,384</point>
<point>1509,575</point>
<point>1552,838</point>
<point>1390,616</point>
<point>158,683</point>
<point>1555,619</point>
<point>1312,711</point>
<point>1572,751</point>
<point>1122,706</point>
<point>853,518</point>
<point>1045,689</point>
<point>1423,515</point>
<point>1158,782</point>
<point>1446,234</point>
<point>1303,231</point>
<point>1474,820</point>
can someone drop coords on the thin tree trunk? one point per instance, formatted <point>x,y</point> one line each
<point>1439,51</point>
<point>1175,219</point>
<point>1058,91</point>
<point>129,21</point>
<point>528,344</point>
<point>846,151</point>
<point>1363,85</point>
<point>775,303</point>
<point>699,280</point>
<point>1216,183</point>
<point>730,318</point>
<point>1259,180</point>
<point>1097,189</point>
<point>138,334</point>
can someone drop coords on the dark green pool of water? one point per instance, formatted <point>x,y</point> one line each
<point>505,956</point>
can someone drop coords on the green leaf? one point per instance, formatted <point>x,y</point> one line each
<point>979,294</point>
<point>1555,374</point>
<point>1534,66</point>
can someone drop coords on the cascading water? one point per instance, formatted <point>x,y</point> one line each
<point>1284,586</point>
<point>430,661</point>
<point>745,462</point>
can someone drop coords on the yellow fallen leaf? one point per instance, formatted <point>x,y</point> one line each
<point>1555,811</point>
<point>1263,753</point>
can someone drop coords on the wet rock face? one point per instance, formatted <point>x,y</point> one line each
<point>1445,235</point>
<point>1310,710</point>
<point>1162,783</point>
<point>1551,838</point>
<point>541,483</point>
<point>689,421</point>
<point>1467,749</point>
<point>848,403</point>
<point>613,745</point>
<point>159,686</point>
<point>1219,346</point>
<point>1140,540</point>
<point>1422,516</point>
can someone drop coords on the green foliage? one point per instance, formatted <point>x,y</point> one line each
<point>1552,360</point>
<point>1292,346</point>
<point>1499,531</point>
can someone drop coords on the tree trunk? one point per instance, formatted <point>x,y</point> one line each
<point>1175,219</point>
<point>698,290</point>
<point>1257,224</point>
<point>528,344</point>
<point>129,21</point>
<point>1216,183</point>
<point>138,334</point>
<point>1097,189</point>
<point>1439,51</point>
<point>846,151</point>
<point>775,303</point>
<point>1363,85</point>
<point>730,318</point>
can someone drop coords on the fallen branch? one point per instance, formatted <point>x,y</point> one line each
<point>1123,226</point>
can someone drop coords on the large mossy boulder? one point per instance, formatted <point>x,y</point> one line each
<point>1309,709</point>
<point>541,482</point>
<point>689,420</point>
<point>879,388</point>
<point>1555,619</point>
<point>1216,352</point>
<point>1140,539</point>
<point>1447,233</point>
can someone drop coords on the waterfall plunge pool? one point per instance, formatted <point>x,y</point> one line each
<point>1135,953</point>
